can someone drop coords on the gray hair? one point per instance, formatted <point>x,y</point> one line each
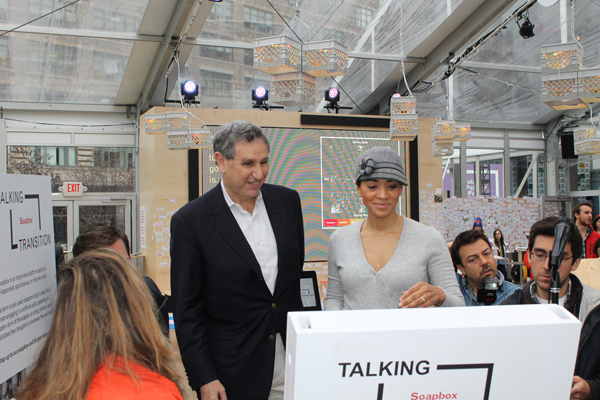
<point>235,132</point>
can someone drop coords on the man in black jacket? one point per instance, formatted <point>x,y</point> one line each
<point>581,300</point>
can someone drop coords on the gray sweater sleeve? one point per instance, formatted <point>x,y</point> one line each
<point>441,272</point>
<point>335,292</point>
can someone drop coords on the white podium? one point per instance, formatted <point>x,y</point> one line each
<point>432,354</point>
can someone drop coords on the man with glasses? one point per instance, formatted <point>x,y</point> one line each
<point>473,256</point>
<point>581,300</point>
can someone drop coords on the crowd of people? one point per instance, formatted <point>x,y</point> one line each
<point>237,255</point>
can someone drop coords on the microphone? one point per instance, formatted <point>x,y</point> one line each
<point>562,231</point>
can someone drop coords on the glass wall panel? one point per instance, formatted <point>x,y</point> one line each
<point>100,169</point>
<point>535,183</point>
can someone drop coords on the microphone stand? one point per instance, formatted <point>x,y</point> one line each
<point>554,280</point>
<point>562,230</point>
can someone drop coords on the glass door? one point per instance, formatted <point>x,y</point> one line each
<point>62,215</point>
<point>72,217</point>
<point>89,214</point>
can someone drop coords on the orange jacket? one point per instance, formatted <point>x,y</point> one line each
<point>113,385</point>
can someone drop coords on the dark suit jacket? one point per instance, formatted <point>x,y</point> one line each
<point>225,316</point>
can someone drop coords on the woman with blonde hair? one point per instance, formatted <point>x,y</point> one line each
<point>104,341</point>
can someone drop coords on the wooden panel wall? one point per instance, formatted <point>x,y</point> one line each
<point>164,174</point>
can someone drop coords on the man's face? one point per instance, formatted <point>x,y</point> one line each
<point>542,247</point>
<point>120,248</point>
<point>246,172</point>
<point>585,216</point>
<point>477,262</point>
<point>478,228</point>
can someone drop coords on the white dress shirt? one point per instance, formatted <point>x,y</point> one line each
<point>259,234</point>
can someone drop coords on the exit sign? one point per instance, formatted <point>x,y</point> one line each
<point>73,189</point>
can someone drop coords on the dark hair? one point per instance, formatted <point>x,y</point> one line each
<point>499,244</point>
<point>99,237</point>
<point>464,239</point>
<point>234,132</point>
<point>545,227</point>
<point>594,222</point>
<point>577,208</point>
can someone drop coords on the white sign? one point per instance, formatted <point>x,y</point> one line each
<point>435,353</point>
<point>28,273</point>
<point>73,189</point>
<point>142,227</point>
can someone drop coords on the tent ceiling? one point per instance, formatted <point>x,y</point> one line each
<point>119,52</point>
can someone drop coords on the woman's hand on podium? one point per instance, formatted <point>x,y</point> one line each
<point>422,295</point>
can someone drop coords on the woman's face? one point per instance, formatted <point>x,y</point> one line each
<point>597,225</point>
<point>498,235</point>
<point>380,196</point>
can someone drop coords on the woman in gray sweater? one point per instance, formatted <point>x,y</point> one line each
<point>387,260</point>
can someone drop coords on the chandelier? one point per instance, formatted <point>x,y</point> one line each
<point>403,117</point>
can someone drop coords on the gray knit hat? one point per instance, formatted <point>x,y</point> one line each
<point>379,163</point>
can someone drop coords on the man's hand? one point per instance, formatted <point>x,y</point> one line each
<point>580,389</point>
<point>213,391</point>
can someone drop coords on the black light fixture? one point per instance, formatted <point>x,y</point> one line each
<point>332,97</point>
<point>189,91</point>
<point>260,95</point>
<point>525,27</point>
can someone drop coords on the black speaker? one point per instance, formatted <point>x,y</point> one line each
<point>567,143</point>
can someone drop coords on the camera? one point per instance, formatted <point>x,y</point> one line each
<point>487,294</point>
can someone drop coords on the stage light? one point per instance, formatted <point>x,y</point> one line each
<point>217,1</point>
<point>189,90</point>
<point>525,27</point>
<point>332,95</point>
<point>260,95</point>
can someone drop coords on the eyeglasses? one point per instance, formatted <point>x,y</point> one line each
<point>542,256</point>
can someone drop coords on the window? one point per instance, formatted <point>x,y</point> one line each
<point>65,18</point>
<point>222,10</point>
<point>251,82</point>
<point>248,57</point>
<point>109,20</point>
<point>37,56</point>
<point>109,67</point>
<point>258,20</point>
<point>218,53</point>
<point>336,35</point>
<point>216,84</point>
<point>4,7</point>
<point>4,91</point>
<point>63,60</point>
<point>54,156</point>
<point>361,17</point>
<point>4,52</point>
<point>101,169</point>
<point>113,157</point>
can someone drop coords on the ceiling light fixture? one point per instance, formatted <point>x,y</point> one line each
<point>403,117</point>
<point>189,91</point>
<point>260,95</point>
<point>525,27</point>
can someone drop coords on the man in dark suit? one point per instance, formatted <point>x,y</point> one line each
<point>236,257</point>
